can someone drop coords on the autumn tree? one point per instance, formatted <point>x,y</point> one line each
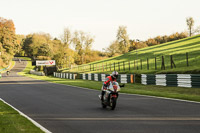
<point>87,47</point>
<point>67,39</point>
<point>140,45</point>
<point>8,40</point>
<point>132,45</point>
<point>113,48</point>
<point>190,24</point>
<point>37,44</point>
<point>163,39</point>
<point>151,42</point>
<point>123,39</point>
<point>82,43</point>
<point>19,49</point>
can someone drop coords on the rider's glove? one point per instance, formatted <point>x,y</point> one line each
<point>105,85</point>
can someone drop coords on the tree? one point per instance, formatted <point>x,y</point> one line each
<point>190,24</point>
<point>20,40</point>
<point>140,45</point>
<point>8,40</point>
<point>82,43</point>
<point>37,44</point>
<point>132,45</point>
<point>151,42</point>
<point>113,48</point>
<point>87,47</point>
<point>197,30</point>
<point>123,39</point>
<point>67,40</point>
<point>66,37</point>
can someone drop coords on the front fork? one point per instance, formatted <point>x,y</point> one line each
<point>115,95</point>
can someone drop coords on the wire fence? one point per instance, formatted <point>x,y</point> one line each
<point>160,62</point>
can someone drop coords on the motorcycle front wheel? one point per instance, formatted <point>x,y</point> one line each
<point>103,105</point>
<point>113,103</point>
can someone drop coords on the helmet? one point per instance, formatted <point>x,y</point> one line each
<point>114,74</point>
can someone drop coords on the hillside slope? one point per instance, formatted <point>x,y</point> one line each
<point>136,61</point>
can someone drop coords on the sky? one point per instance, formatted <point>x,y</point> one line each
<point>101,18</point>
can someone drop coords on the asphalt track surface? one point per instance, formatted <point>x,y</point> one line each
<point>66,109</point>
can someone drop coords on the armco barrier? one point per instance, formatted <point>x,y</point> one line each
<point>180,80</point>
<point>122,78</point>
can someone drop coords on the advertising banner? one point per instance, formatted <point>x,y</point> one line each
<point>45,62</point>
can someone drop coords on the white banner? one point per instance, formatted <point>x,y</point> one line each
<point>45,62</point>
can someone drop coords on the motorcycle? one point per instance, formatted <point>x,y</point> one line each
<point>111,95</point>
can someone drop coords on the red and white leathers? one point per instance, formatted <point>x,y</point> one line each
<point>107,82</point>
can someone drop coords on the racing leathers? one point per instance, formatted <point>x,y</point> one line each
<point>106,84</point>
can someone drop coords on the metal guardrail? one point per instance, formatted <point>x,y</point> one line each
<point>180,80</point>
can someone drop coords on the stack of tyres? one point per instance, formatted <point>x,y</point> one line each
<point>86,76</point>
<point>171,80</point>
<point>195,78</point>
<point>92,76</point>
<point>99,77</point>
<point>128,78</point>
<point>151,79</point>
<point>119,79</point>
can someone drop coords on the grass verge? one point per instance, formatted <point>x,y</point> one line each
<point>12,122</point>
<point>11,66</point>
<point>192,94</point>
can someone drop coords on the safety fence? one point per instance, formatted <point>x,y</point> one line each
<point>65,75</point>
<point>122,78</point>
<point>180,80</point>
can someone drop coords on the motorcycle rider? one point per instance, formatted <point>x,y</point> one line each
<point>7,72</point>
<point>111,78</point>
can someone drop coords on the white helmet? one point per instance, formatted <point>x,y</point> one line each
<point>115,74</point>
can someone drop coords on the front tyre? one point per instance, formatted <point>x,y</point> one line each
<point>113,103</point>
<point>103,105</point>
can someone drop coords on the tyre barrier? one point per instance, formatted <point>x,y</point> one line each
<point>122,78</point>
<point>180,80</point>
<point>37,73</point>
<point>65,75</point>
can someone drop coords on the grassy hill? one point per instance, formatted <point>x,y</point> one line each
<point>136,61</point>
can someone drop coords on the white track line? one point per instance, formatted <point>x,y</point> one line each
<point>22,114</point>
<point>129,119</point>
